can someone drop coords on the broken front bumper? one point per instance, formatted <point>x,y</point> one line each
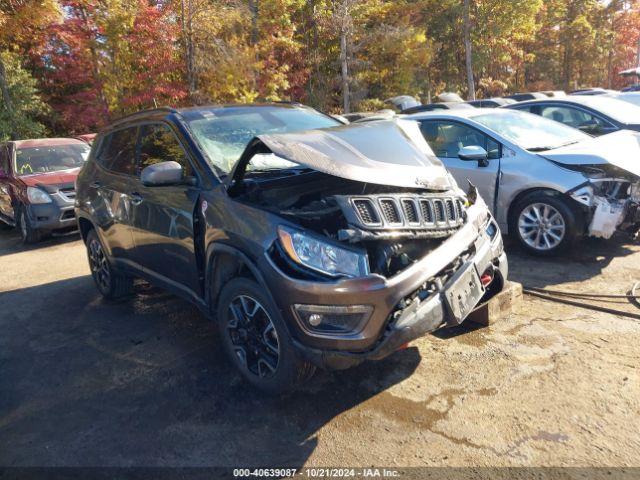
<point>404,307</point>
<point>610,216</point>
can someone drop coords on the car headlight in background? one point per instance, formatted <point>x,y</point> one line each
<point>36,196</point>
<point>322,256</point>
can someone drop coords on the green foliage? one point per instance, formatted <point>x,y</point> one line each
<point>28,108</point>
<point>100,60</point>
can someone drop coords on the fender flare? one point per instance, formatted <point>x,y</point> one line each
<point>217,248</point>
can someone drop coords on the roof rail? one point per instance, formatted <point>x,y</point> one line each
<point>132,116</point>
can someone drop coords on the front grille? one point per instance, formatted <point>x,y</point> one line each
<point>367,211</point>
<point>68,194</point>
<point>406,211</point>
<point>389,211</point>
<point>410,211</point>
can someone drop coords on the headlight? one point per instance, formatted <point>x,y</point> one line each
<point>35,195</point>
<point>322,256</point>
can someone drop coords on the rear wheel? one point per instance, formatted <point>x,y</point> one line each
<point>256,339</point>
<point>544,223</point>
<point>28,234</point>
<point>110,283</point>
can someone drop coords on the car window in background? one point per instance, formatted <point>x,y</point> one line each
<point>574,117</point>
<point>30,160</point>
<point>159,144</point>
<point>529,131</point>
<point>447,138</point>
<point>225,134</point>
<point>117,151</point>
<point>623,112</point>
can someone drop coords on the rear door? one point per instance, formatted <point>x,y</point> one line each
<point>447,137</point>
<point>163,216</point>
<point>112,182</point>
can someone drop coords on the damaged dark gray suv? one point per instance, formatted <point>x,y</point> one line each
<point>310,243</point>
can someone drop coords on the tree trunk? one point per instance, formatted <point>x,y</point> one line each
<point>467,51</point>
<point>6,96</point>
<point>187,36</point>
<point>344,68</point>
<point>254,8</point>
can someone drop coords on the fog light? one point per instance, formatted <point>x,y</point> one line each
<point>315,319</point>
<point>333,318</point>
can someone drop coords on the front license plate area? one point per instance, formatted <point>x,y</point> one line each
<point>464,294</point>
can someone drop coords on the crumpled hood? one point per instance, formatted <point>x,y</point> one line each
<point>621,149</point>
<point>52,179</point>
<point>389,152</point>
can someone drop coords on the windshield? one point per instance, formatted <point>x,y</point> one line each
<point>621,111</point>
<point>529,131</point>
<point>225,133</point>
<point>30,160</point>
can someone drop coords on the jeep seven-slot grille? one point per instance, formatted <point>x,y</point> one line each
<point>408,211</point>
<point>366,211</point>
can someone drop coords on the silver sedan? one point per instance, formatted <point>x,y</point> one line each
<point>547,184</point>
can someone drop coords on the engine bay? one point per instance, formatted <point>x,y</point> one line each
<point>396,226</point>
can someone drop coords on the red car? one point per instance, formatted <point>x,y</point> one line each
<point>37,184</point>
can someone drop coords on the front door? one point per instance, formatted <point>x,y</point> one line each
<point>163,216</point>
<point>446,138</point>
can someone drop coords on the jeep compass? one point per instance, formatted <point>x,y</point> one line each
<point>310,243</point>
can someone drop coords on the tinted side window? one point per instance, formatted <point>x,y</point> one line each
<point>159,144</point>
<point>446,139</point>
<point>117,151</point>
<point>573,117</point>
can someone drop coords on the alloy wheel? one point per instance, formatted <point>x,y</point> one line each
<point>541,226</point>
<point>99,265</point>
<point>253,336</point>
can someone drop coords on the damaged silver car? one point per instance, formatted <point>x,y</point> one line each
<point>546,183</point>
<point>309,243</point>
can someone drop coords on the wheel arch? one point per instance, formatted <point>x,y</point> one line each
<point>85,226</point>
<point>224,262</point>
<point>529,191</point>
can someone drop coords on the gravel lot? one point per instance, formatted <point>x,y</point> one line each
<point>142,382</point>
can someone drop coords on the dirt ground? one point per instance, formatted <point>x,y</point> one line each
<point>142,382</point>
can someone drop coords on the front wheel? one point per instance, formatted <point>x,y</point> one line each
<point>544,223</point>
<point>256,339</point>
<point>28,234</point>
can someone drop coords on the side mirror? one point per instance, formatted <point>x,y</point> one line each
<point>163,173</point>
<point>474,153</point>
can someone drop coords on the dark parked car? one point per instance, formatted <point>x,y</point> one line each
<point>437,106</point>
<point>491,102</point>
<point>37,184</point>
<point>595,115</point>
<point>323,247</point>
<point>521,97</point>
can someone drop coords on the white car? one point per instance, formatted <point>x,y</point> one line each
<point>547,184</point>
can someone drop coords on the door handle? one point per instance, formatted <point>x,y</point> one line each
<point>136,198</point>
<point>95,184</point>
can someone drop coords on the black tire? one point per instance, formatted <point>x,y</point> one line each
<point>252,337</point>
<point>570,218</point>
<point>28,234</point>
<point>110,283</point>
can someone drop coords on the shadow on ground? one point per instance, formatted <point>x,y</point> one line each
<point>587,259</point>
<point>142,382</point>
